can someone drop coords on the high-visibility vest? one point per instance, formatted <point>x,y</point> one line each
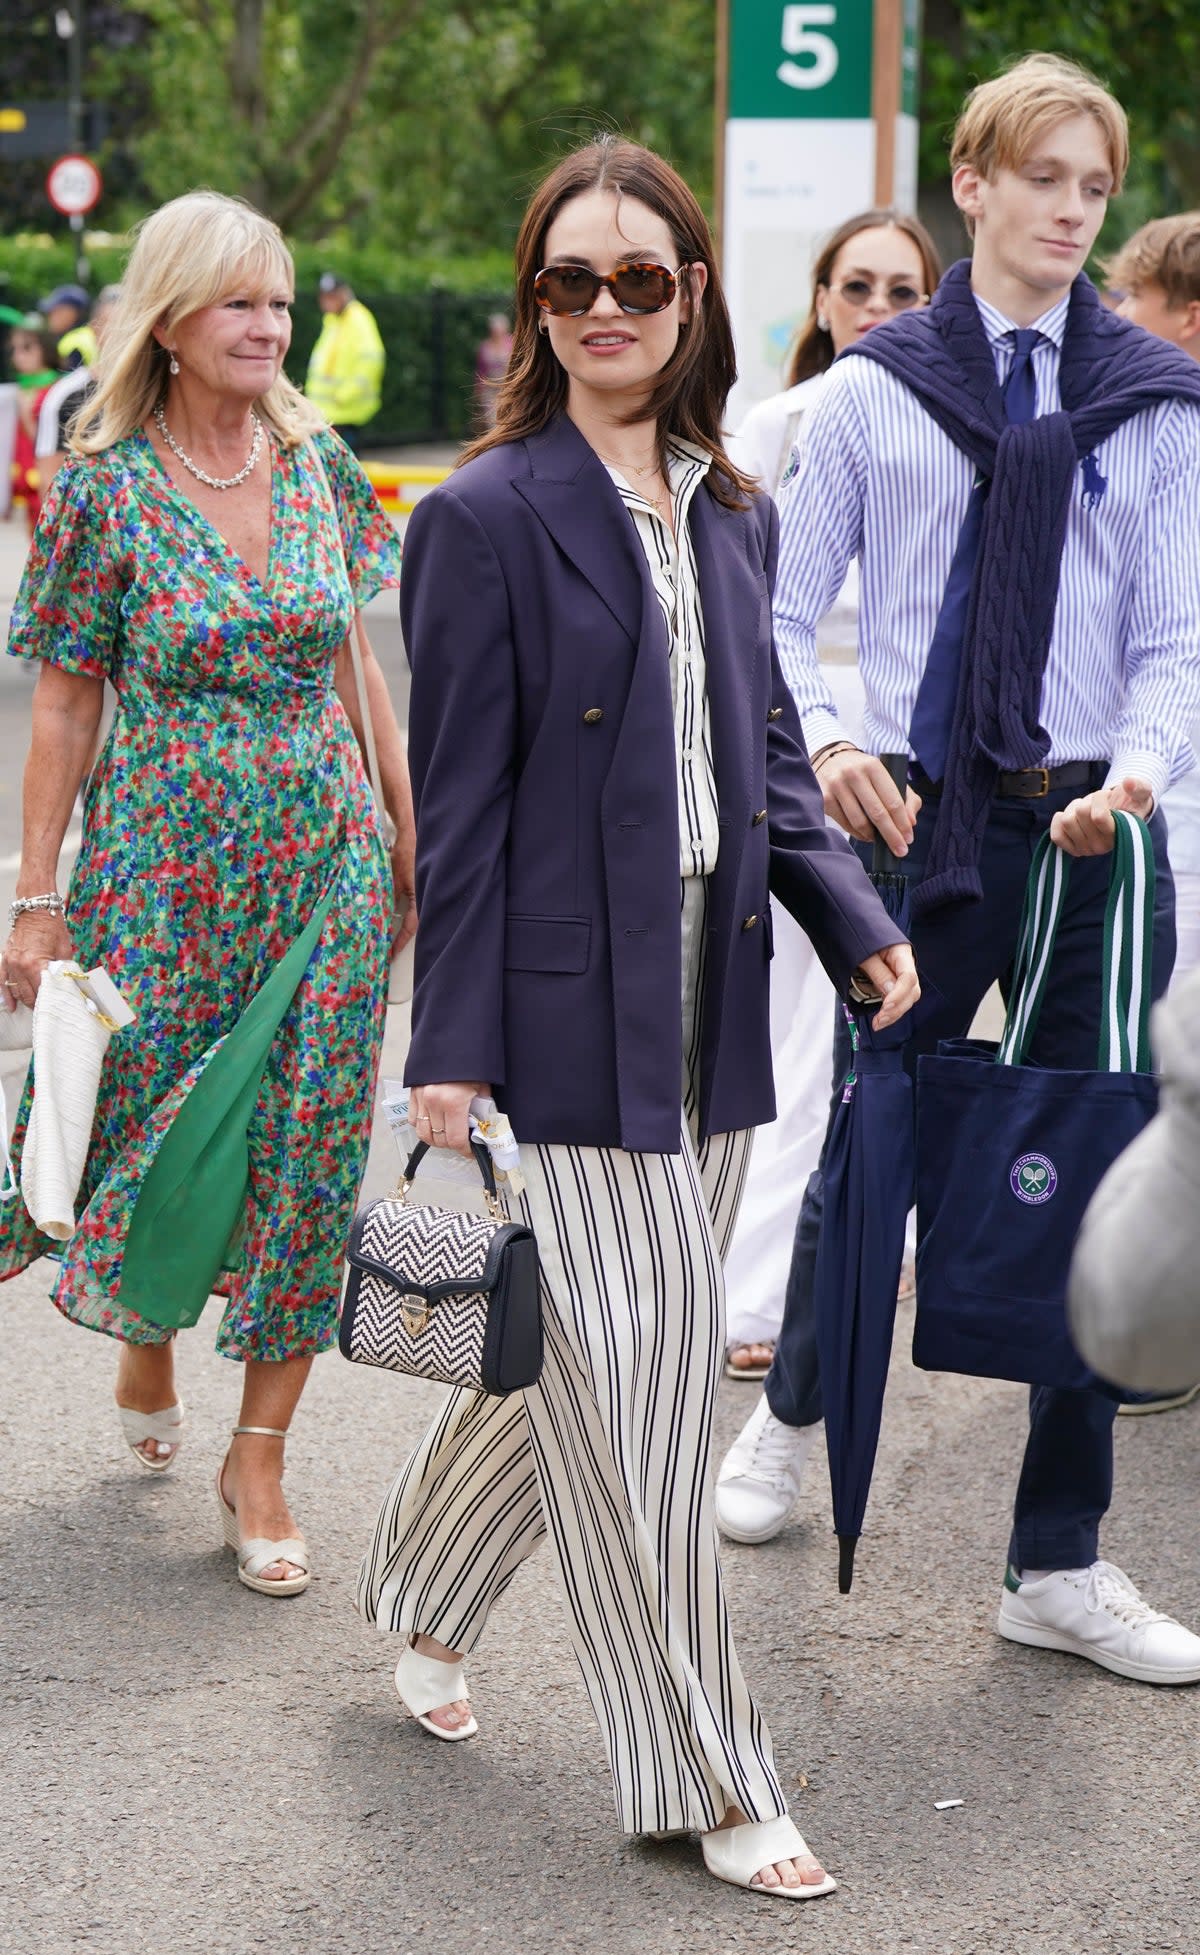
<point>80,340</point>
<point>346,368</point>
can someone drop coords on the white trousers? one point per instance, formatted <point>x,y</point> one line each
<point>803,1002</point>
<point>608,1456</point>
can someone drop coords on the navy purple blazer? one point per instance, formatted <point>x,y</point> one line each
<point>542,749</point>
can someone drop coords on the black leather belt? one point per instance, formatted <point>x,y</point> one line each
<point>1030,783</point>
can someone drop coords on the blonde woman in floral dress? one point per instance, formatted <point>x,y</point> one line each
<point>206,551</point>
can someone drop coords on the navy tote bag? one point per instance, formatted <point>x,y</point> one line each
<point>1009,1154</point>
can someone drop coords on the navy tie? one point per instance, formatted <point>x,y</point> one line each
<point>933,714</point>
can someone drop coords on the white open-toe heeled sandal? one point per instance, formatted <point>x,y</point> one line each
<point>737,1853</point>
<point>424,1684</point>
<point>166,1427</point>
<point>258,1553</point>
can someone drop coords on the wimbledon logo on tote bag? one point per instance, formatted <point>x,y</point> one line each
<point>1034,1178</point>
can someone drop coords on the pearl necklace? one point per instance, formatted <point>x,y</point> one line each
<point>213,481</point>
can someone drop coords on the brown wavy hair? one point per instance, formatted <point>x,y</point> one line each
<point>689,396</point>
<point>812,351</point>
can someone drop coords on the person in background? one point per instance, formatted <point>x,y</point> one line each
<point>1133,1298</point>
<point>1156,276</point>
<point>1018,472</point>
<point>491,365</point>
<point>873,266</point>
<point>31,353</point>
<point>65,399</point>
<point>345,368</point>
<point>65,311</point>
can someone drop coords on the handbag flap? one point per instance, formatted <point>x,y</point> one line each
<point>430,1252</point>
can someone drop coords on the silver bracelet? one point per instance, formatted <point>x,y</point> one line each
<point>53,904</point>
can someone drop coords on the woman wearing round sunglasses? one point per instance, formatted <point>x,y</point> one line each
<point>873,266</point>
<point>609,779</point>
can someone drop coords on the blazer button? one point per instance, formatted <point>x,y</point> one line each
<point>776,713</point>
<point>593,716</point>
<point>759,818</point>
<point>749,922</point>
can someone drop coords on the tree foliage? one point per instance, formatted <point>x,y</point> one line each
<point>417,126</point>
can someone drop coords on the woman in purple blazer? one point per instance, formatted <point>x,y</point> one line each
<point>610,782</point>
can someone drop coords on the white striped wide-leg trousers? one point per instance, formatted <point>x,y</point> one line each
<point>608,1455</point>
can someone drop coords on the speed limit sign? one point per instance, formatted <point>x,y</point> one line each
<point>74,185</point>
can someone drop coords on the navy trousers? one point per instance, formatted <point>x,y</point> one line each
<point>1065,1485</point>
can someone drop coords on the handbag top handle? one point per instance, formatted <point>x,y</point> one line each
<point>483,1162</point>
<point>1124,1044</point>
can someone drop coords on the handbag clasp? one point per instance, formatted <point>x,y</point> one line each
<point>415,1313</point>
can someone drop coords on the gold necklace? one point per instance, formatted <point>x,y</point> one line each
<point>651,468</point>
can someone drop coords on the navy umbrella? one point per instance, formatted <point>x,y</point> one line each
<point>867,1175</point>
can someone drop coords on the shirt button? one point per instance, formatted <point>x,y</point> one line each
<point>759,818</point>
<point>776,713</point>
<point>593,716</point>
<point>749,922</point>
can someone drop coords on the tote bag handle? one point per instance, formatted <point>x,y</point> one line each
<point>1128,949</point>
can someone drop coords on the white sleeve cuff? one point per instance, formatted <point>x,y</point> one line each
<point>1150,768</point>
<point>820,729</point>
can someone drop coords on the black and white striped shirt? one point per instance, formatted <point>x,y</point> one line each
<point>673,573</point>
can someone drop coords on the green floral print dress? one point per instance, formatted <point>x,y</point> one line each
<point>228,800</point>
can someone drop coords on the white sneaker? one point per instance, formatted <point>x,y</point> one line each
<point>760,1475</point>
<point>1097,1612</point>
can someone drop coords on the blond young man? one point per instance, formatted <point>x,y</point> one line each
<point>1014,437</point>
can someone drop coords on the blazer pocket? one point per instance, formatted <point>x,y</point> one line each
<point>547,943</point>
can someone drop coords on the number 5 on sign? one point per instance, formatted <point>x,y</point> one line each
<point>800,36</point>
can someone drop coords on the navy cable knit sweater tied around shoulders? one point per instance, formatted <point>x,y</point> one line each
<point>1110,371</point>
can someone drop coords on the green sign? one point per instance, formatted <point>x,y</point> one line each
<point>807,60</point>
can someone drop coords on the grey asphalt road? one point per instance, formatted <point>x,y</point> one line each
<point>193,1770</point>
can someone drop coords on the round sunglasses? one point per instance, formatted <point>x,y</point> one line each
<point>900,298</point>
<point>570,291</point>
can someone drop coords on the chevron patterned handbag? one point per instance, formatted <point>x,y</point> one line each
<point>442,1295</point>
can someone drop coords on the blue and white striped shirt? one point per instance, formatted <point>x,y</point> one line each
<point>880,481</point>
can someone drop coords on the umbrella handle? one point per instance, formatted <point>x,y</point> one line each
<point>883,862</point>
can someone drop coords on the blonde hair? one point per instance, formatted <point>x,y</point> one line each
<point>1002,120</point>
<point>194,252</point>
<point>1165,252</point>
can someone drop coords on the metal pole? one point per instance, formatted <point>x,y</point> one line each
<point>75,73</point>
<point>887,45</point>
<point>720,116</point>
<point>69,22</point>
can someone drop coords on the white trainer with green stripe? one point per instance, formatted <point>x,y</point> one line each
<point>1097,1613</point>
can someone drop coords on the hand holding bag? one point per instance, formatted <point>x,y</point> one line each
<point>442,1295</point>
<point>1009,1153</point>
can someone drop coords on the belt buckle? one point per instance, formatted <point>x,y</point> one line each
<point>1039,792</point>
<point>1031,793</point>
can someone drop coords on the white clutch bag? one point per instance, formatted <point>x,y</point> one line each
<point>16,1035</point>
<point>75,1015</point>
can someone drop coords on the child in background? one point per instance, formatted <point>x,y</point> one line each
<point>32,359</point>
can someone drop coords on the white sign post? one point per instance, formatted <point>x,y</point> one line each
<point>74,185</point>
<point>818,122</point>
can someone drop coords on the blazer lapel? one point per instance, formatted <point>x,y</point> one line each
<point>732,598</point>
<point>573,495</point>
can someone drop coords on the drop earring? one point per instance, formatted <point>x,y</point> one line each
<point>174,366</point>
<point>822,323</point>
